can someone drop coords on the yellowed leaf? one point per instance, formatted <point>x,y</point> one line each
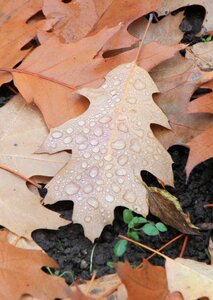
<point>111,143</point>
<point>21,132</point>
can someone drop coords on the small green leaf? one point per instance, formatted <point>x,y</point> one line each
<point>133,235</point>
<point>127,216</point>
<point>120,247</point>
<point>150,229</point>
<point>136,220</point>
<point>110,264</point>
<point>161,227</point>
<point>208,39</point>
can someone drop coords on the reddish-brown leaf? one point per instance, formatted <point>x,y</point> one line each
<point>20,273</point>
<point>146,283</point>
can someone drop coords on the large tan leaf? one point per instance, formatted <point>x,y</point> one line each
<point>193,279</point>
<point>111,143</point>
<point>15,32</point>
<point>47,77</point>
<point>20,273</point>
<point>21,132</point>
<point>169,6</point>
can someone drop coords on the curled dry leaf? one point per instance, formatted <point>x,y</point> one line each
<point>148,282</point>
<point>16,32</point>
<point>201,54</point>
<point>111,143</point>
<point>21,133</point>
<point>167,208</point>
<point>193,279</point>
<point>21,273</point>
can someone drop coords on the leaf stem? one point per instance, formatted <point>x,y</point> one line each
<point>20,176</point>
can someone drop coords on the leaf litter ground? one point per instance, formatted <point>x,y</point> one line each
<point>75,254</point>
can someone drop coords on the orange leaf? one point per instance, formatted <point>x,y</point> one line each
<point>146,283</point>
<point>20,273</point>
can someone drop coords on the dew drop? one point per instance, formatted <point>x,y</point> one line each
<point>122,160</point>
<point>108,157</point>
<point>86,155</point>
<point>96,149</point>
<point>139,84</point>
<point>94,142</point>
<point>135,146</point>
<point>109,175</point>
<point>88,188</point>
<point>80,139</point>
<point>131,100</point>
<point>82,147</point>
<point>113,93</point>
<point>86,130</point>
<point>81,123</point>
<point>105,119</point>
<point>88,219</point>
<point>109,198</point>
<point>72,188</point>
<point>117,82</point>
<point>115,188</point>
<point>122,127</point>
<point>94,172</point>
<point>99,189</point>
<point>67,140</point>
<point>69,130</point>
<point>104,86</point>
<point>121,172</point>
<point>93,203</point>
<point>98,131</point>
<point>97,157</point>
<point>84,165</point>
<point>118,145</point>
<point>108,167</point>
<point>120,180</point>
<point>129,196</point>
<point>56,134</point>
<point>92,124</point>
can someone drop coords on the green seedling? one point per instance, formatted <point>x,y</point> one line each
<point>207,39</point>
<point>137,225</point>
<point>59,273</point>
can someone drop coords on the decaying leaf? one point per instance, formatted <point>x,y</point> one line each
<point>169,6</point>
<point>201,54</point>
<point>176,92</point>
<point>21,273</point>
<point>21,132</point>
<point>15,31</point>
<point>146,283</point>
<point>167,208</point>
<point>193,279</point>
<point>111,143</point>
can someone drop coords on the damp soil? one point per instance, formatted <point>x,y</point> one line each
<point>76,254</point>
<point>78,257</point>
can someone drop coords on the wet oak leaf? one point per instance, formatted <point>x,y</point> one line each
<point>111,143</point>
<point>191,278</point>
<point>148,282</point>
<point>22,130</point>
<point>167,208</point>
<point>16,32</point>
<point>20,273</point>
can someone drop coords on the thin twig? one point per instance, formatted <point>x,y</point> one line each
<point>183,249</point>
